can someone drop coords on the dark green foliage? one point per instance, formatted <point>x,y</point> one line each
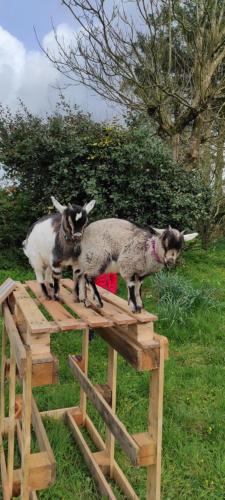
<point>129,173</point>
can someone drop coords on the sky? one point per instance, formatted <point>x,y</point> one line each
<point>25,72</point>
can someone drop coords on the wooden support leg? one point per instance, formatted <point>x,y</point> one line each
<point>112,372</point>
<point>155,426</point>
<point>4,473</point>
<point>26,427</point>
<point>85,347</point>
<point>3,364</point>
<point>11,427</point>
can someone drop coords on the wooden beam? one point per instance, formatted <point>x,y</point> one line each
<point>94,434</point>
<point>141,357</point>
<point>26,427</point>
<point>4,474</point>
<point>6,288</point>
<point>15,340</point>
<point>84,369</point>
<point>42,437</point>
<point>111,379</point>
<point>58,414</point>
<point>155,427</point>
<point>11,428</point>
<point>122,481</point>
<point>96,472</point>
<point>113,423</point>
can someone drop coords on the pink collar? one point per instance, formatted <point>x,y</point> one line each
<point>153,251</point>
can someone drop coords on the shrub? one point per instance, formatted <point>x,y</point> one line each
<point>128,172</point>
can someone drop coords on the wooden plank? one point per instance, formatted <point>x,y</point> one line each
<point>155,427</point>
<point>84,369</point>
<point>122,481</point>
<point>58,413</point>
<point>92,318</point>
<point>6,288</point>
<point>3,366</point>
<point>164,343</point>
<point>4,474</point>
<point>61,316</point>
<point>11,427</point>
<point>105,391</point>
<point>114,313</point>
<point>33,495</point>
<point>96,472</point>
<point>113,423</point>
<point>111,379</point>
<point>15,340</point>
<point>94,434</point>
<point>142,317</point>
<point>41,436</point>
<point>33,317</point>
<point>19,436</point>
<point>141,357</point>
<point>26,427</point>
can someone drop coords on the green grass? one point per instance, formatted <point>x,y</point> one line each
<point>190,301</point>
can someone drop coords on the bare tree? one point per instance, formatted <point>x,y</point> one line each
<point>163,57</point>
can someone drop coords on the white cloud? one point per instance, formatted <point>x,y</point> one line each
<point>30,76</point>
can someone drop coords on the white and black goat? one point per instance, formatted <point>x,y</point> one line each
<point>116,245</point>
<point>54,242</point>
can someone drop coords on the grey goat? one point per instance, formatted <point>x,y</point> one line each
<point>116,245</point>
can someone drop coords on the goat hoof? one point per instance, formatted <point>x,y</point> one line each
<point>87,303</point>
<point>57,298</point>
<point>135,310</point>
<point>138,309</point>
<point>99,305</point>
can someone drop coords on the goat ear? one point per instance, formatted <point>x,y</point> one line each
<point>58,205</point>
<point>89,206</point>
<point>158,231</point>
<point>190,237</point>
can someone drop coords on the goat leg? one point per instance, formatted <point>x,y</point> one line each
<point>132,301</point>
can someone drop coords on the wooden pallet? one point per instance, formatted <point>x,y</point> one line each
<point>29,321</point>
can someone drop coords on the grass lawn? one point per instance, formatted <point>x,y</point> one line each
<point>192,316</point>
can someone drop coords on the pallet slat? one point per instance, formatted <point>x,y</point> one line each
<point>142,317</point>
<point>115,314</point>
<point>61,316</point>
<point>6,288</point>
<point>35,320</point>
<point>15,340</point>
<point>92,318</point>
